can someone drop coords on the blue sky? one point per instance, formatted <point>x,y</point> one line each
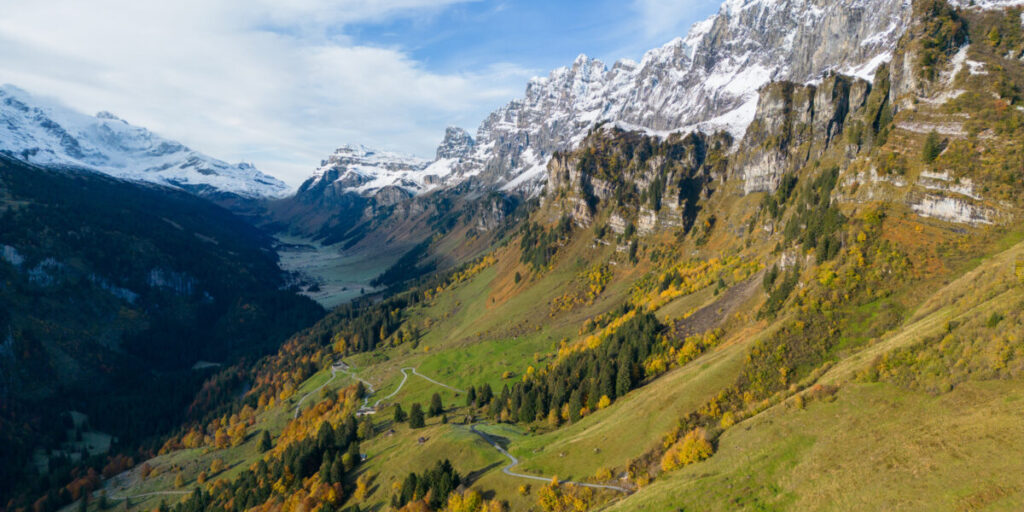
<point>532,34</point>
<point>281,84</point>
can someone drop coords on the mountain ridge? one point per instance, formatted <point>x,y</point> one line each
<point>44,132</point>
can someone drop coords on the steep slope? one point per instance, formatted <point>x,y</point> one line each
<point>112,292</point>
<point>46,133</point>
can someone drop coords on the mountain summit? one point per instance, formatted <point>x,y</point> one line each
<point>706,81</point>
<point>49,134</point>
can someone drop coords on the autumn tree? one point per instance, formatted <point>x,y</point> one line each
<point>221,438</point>
<point>237,434</point>
<point>554,419</point>
<point>362,487</point>
<point>694,447</point>
<point>555,497</point>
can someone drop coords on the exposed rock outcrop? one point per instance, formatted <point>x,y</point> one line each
<point>793,124</point>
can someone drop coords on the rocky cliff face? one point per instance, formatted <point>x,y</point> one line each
<point>783,78</point>
<point>457,143</point>
<point>793,124</point>
<point>629,176</point>
<point>707,81</point>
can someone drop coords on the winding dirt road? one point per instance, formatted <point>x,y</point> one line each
<point>334,373</point>
<point>513,462</point>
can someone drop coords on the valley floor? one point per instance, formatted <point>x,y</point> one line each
<point>332,276</point>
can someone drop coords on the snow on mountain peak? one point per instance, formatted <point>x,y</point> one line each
<point>47,133</point>
<point>365,171</point>
<point>707,80</point>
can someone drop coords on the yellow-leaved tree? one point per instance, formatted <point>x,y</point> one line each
<point>694,447</point>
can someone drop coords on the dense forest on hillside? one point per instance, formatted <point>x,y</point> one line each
<point>112,292</point>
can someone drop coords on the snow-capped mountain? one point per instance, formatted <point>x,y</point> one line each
<point>46,133</point>
<point>707,80</point>
<point>457,143</point>
<point>365,171</point>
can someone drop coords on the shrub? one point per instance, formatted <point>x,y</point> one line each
<point>694,447</point>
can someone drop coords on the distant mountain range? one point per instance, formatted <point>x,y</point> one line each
<point>46,133</point>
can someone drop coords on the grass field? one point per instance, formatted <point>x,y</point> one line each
<point>609,438</point>
<point>876,447</point>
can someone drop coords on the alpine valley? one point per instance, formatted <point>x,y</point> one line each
<point>776,264</point>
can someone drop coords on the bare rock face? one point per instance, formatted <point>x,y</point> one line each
<point>457,143</point>
<point>391,195</point>
<point>656,182</point>
<point>491,211</point>
<point>793,124</point>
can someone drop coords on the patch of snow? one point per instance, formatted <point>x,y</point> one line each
<point>117,291</point>
<point>987,4</point>
<point>867,70</point>
<point>536,171</point>
<point>364,171</point>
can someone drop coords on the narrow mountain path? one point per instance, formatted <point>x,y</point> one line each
<point>334,373</point>
<point>428,379</point>
<point>515,462</point>
<point>405,377</point>
<point>346,369</point>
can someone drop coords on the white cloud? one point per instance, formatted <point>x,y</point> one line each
<point>263,81</point>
